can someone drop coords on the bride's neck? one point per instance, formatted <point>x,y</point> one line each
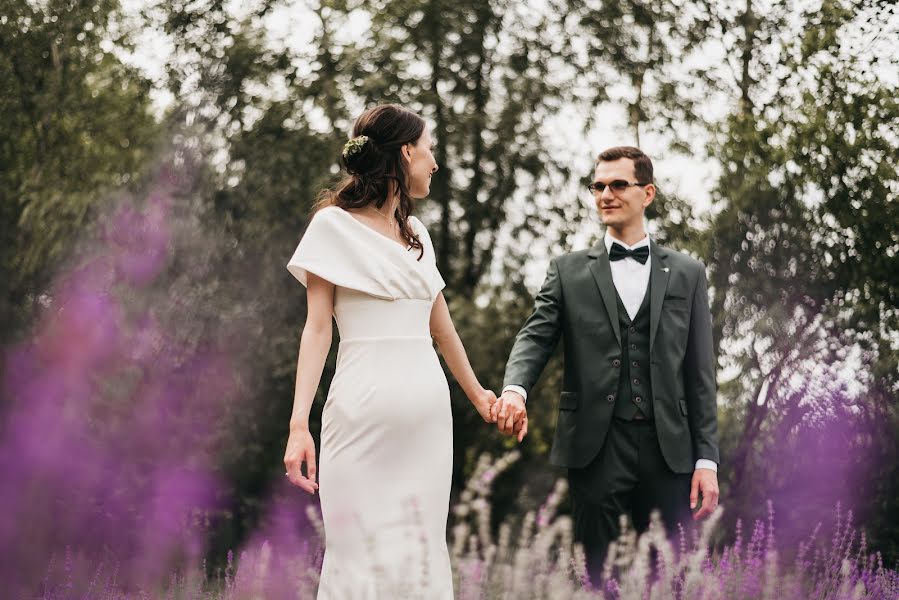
<point>390,206</point>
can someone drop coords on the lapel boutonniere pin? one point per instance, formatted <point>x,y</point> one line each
<point>666,269</point>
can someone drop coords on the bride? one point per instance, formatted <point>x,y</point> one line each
<point>386,440</point>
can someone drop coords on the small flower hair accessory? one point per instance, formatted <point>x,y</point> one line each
<point>354,145</point>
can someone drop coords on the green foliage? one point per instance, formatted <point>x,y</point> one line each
<point>632,51</point>
<point>75,124</point>
<point>802,266</point>
<point>489,75</point>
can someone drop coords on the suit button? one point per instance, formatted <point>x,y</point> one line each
<point>633,346</point>
<point>638,399</point>
<point>616,363</point>
<point>635,364</point>
<point>610,398</point>
<point>636,381</point>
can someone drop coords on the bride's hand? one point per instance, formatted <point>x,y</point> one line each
<point>301,449</point>
<point>483,402</point>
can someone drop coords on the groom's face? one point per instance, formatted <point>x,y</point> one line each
<point>622,208</point>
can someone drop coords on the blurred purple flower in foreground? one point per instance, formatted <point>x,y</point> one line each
<point>106,438</point>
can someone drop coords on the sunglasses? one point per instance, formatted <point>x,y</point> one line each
<point>619,185</point>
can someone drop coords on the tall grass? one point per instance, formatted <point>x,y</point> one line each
<point>536,558</point>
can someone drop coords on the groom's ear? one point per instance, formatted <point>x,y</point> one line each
<point>650,194</point>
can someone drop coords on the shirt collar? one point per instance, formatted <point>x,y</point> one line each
<point>609,239</point>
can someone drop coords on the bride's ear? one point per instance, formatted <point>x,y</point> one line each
<point>406,152</point>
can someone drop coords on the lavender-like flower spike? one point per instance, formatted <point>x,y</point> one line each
<point>354,145</point>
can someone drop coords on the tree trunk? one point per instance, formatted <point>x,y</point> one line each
<point>474,210</point>
<point>750,25</point>
<point>441,180</point>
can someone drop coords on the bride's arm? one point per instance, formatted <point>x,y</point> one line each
<point>314,346</point>
<point>444,333</point>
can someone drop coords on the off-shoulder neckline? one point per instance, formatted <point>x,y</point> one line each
<point>391,241</point>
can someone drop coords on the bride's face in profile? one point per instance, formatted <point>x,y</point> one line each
<point>420,164</point>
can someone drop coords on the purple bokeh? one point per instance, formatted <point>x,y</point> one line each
<point>282,558</point>
<point>822,454</point>
<point>107,438</point>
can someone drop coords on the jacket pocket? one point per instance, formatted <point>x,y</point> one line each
<point>683,407</point>
<point>675,303</point>
<point>568,401</point>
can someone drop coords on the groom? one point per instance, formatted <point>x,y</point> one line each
<point>637,425</point>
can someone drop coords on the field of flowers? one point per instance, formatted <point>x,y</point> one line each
<point>537,559</point>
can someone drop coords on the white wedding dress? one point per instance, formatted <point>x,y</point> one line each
<point>386,444</point>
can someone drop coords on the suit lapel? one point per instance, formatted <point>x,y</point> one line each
<point>658,284</point>
<point>602,273</point>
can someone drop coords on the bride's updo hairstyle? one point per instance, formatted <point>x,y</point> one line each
<point>375,166</point>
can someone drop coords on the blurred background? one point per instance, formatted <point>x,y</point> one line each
<point>159,162</point>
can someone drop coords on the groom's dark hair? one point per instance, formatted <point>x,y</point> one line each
<point>642,163</point>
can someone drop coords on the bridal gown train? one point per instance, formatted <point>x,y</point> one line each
<point>386,444</point>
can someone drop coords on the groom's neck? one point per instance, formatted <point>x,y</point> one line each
<point>629,235</point>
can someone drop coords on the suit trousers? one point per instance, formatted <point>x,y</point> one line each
<point>629,477</point>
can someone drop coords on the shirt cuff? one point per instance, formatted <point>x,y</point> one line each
<point>516,388</point>
<point>704,463</point>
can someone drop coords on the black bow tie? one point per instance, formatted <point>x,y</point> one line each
<point>619,252</point>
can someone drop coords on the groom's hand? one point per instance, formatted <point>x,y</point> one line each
<point>512,417</point>
<point>705,482</point>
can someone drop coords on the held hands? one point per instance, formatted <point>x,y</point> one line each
<point>510,415</point>
<point>705,482</point>
<point>484,401</point>
<point>301,449</point>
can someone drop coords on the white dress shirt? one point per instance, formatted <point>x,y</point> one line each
<point>631,279</point>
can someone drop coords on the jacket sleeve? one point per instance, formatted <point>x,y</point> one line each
<point>699,376</point>
<point>537,339</point>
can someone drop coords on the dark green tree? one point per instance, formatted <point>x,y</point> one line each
<point>75,123</point>
<point>262,159</point>
<point>637,53</point>
<point>803,271</point>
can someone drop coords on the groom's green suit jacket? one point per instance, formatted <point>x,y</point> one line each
<point>578,303</point>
